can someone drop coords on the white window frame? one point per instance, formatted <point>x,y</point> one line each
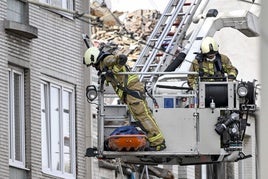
<point>11,112</point>
<point>49,83</point>
<point>66,4</point>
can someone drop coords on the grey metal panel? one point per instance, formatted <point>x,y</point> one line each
<point>178,127</point>
<point>209,139</point>
<point>186,134</point>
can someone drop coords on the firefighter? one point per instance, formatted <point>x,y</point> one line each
<point>211,64</point>
<point>130,91</point>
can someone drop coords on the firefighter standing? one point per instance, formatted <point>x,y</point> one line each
<point>210,63</point>
<point>130,91</point>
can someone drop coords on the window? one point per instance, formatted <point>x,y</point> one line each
<point>17,20</point>
<point>17,11</point>
<point>58,129</point>
<point>65,4</point>
<point>16,118</point>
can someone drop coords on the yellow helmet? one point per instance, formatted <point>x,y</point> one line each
<point>91,55</point>
<point>209,45</point>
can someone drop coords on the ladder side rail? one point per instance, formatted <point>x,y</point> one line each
<point>161,39</point>
<point>157,29</point>
<point>150,43</point>
<point>154,48</point>
<point>177,38</point>
<point>168,26</point>
<point>184,25</point>
<point>179,35</point>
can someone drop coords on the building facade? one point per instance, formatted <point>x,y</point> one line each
<point>43,119</point>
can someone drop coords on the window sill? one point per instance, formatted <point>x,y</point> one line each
<point>62,14</point>
<point>18,167</point>
<point>48,173</point>
<point>24,30</point>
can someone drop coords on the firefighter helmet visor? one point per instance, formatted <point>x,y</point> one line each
<point>209,46</point>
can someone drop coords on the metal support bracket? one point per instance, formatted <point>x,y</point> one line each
<point>92,152</point>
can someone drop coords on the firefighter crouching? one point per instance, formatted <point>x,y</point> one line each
<point>210,63</point>
<point>130,91</point>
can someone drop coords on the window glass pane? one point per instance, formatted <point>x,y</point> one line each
<point>55,128</point>
<point>70,4</point>
<point>57,3</point>
<point>66,131</point>
<point>57,139</point>
<point>44,124</point>
<point>44,1</point>
<point>17,120</point>
<point>66,4</point>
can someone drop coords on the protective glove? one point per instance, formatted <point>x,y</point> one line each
<point>231,77</point>
<point>109,73</point>
<point>199,57</point>
<point>122,59</point>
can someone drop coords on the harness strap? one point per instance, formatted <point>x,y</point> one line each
<point>134,93</point>
<point>217,66</point>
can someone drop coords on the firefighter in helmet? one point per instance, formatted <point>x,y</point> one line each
<point>130,91</point>
<point>211,64</point>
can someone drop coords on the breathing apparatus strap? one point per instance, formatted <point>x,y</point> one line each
<point>134,93</point>
<point>217,66</point>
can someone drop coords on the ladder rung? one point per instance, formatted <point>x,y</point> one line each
<point>159,55</point>
<point>153,65</point>
<point>187,4</point>
<point>168,33</point>
<point>171,33</point>
<point>168,14</point>
<point>168,38</point>
<point>176,24</point>
<point>181,14</point>
<point>139,65</point>
<point>153,39</point>
<point>164,44</point>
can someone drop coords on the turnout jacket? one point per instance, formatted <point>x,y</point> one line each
<point>122,84</point>
<point>216,68</point>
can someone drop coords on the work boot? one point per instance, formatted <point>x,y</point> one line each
<point>159,147</point>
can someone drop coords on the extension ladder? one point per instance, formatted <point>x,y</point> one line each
<point>166,38</point>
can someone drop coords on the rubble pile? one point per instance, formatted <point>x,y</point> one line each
<point>128,30</point>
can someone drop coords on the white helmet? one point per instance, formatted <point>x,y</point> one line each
<point>209,46</point>
<point>91,55</point>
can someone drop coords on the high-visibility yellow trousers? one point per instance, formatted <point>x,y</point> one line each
<point>142,113</point>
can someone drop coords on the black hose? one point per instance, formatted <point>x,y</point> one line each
<point>176,62</point>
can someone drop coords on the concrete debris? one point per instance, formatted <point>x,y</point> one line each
<point>128,30</point>
<point>104,14</point>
